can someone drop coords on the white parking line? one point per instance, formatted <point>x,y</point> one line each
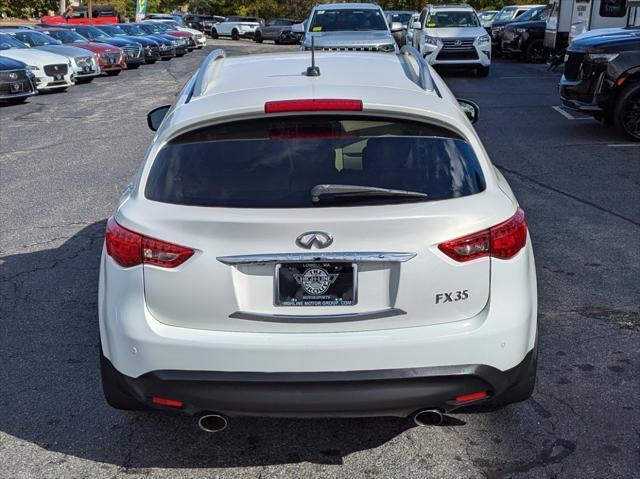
<point>624,145</point>
<point>568,115</point>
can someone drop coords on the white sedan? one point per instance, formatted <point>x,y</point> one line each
<point>52,71</point>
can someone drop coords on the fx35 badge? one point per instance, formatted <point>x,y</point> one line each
<point>452,296</point>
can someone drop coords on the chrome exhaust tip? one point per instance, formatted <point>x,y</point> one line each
<point>212,422</point>
<point>428,417</point>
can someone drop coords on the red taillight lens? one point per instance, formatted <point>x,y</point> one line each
<point>472,397</point>
<point>283,106</point>
<point>166,402</point>
<point>128,248</point>
<point>501,241</point>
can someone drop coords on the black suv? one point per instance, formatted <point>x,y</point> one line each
<point>17,83</point>
<point>525,37</point>
<point>602,78</point>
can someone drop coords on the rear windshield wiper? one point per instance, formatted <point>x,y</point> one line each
<point>357,192</point>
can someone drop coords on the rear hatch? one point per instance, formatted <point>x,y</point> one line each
<point>315,224</point>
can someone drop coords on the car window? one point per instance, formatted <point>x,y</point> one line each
<point>35,39</point>
<point>452,19</point>
<point>505,14</point>
<point>347,19</point>
<point>67,36</point>
<point>275,162</point>
<point>6,43</point>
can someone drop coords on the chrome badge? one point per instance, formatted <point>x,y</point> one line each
<point>13,76</point>
<point>319,239</point>
<point>315,281</point>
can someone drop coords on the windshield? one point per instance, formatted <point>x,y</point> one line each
<point>162,27</point>
<point>452,19</point>
<point>131,29</point>
<point>149,28</point>
<point>505,14</point>
<point>400,17</point>
<point>6,42</point>
<point>350,20</point>
<point>93,32</point>
<point>35,39</point>
<point>486,16</point>
<point>276,163</point>
<point>534,14</point>
<point>67,36</point>
<point>113,30</point>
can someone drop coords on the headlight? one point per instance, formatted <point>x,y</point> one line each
<point>33,67</point>
<point>431,40</point>
<point>484,40</point>
<point>602,57</point>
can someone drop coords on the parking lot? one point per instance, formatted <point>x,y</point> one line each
<point>65,158</point>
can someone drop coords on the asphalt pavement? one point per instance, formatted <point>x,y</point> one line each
<point>65,158</point>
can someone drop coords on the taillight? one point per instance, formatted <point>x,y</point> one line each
<point>129,248</point>
<point>283,106</point>
<point>501,241</point>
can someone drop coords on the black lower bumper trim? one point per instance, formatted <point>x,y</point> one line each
<point>327,394</point>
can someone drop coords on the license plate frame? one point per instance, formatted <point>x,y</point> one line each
<point>300,284</point>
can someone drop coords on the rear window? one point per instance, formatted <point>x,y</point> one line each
<point>276,162</point>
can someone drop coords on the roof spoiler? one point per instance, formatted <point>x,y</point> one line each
<point>422,77</point>
<point>206,72</point>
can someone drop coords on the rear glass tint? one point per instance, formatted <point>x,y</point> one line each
<point>275,162</point>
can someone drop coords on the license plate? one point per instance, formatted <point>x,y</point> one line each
<point>316,284</point>
<point>16,87</point>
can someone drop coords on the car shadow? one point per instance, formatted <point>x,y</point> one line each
<point>52,395</point>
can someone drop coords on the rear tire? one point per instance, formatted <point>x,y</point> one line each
<point>115,390</point>
<point>626,115</point>
<point>214,34</point>
<point>235,35</point>
<point>258,38</point>
<point>483,71</point>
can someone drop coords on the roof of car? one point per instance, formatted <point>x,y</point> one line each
<point>451,6</point>
<point>346,6</point>
<point>241,86</point>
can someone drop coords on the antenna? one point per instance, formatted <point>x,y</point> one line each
<point>313,70</point>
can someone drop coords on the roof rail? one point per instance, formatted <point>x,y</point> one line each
<point>422,77</point>
<point>205,72</point>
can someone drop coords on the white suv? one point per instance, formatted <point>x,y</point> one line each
<point>453,35</point>
<point>334,242</point>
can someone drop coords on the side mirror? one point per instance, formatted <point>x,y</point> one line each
<point>416,26</point>
<point>396,26</point>
<point>155,117</point>
<point>297,28</point>
<point>470,109</point>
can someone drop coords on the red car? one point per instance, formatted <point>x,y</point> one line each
<point>111,58</point>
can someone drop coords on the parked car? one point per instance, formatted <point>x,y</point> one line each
<point>164,28</point>
<point>166,46</point>
<point>51,71</point>
<point>410,30</point>
<point>348,26</point>
<point>180,42</point>
<point>451,35</point>
<point>199,37</point>
<point>209,23</point>
<point>602,78</point>
<point>177,17</point>
<point>524,38</point>
<point>110,58</point>
<point>133,51</point>
<point>236,27</point>
<point>278,30</point>
<point>150,47</point>
<point>198,21</point>
<point>84,64</point>
<point>17,82</point>
<point>377,264</point>
<point>506,15</point>
<point>402,17</point>
<point>486,18</point>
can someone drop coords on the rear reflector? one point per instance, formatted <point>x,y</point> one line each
<point>129,248</point>
<point>166,402</point>
<point>501,241</point>
<point>284,106</point>
<point>472,397</point>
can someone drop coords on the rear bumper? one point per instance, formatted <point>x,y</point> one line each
<point>399,392</point>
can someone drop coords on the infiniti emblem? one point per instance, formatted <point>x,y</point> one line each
<point>319,239</point>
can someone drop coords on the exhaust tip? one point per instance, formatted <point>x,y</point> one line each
<point>428,417</point>
<point>212,423</point>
